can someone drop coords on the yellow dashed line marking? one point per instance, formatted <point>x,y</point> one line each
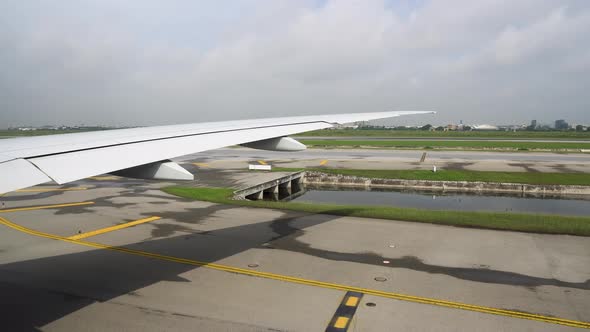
<point>316,283</point>
<point>30,208</point>
<point>352,301</point>
<point>344,312</point>
<point>112,228</point>
<point>104,178</point>
<point>203,165</point>
<point>43,190</point>
<point>341,322</point>
<point>323,162</point>
<point>262,162</point>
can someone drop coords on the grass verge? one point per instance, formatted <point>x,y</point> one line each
<point>548,224</point>
<point>575,179</point>
<point>583,135</point>
<point>409,144</point>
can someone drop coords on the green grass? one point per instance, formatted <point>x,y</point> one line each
<point>408,144</point>
<point>501,221</point>
<point>581,135</point>
<point>580,179</point>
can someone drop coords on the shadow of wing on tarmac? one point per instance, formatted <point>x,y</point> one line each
<point>37,292</point>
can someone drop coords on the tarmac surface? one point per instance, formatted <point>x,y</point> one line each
<point>110,253</point>
<point>235,158</point>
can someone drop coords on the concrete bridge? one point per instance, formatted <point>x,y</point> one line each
<point>282,187</point>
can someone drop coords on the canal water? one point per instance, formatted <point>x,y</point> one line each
<point>578,206</point>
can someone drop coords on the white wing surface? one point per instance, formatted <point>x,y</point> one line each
<point>64,158</point>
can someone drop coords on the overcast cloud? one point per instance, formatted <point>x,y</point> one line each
<point>160,62</point>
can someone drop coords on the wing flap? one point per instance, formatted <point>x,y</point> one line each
<point>19,173</point>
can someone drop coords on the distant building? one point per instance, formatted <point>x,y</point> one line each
<point>484,127</point>
<point>533,124</point>
<point>561,124</point>
<point>345,126</point>
<point>511,127</point>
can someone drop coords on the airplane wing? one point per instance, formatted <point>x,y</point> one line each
<point>63,158</point>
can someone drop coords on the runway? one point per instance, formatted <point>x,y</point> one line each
<point>245,153</point>
<point>109,253</point>
<point>397,159</point>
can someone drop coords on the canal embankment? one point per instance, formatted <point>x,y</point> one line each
<point>261,189</point>
<point>321,178</point>
<point>536,223</point>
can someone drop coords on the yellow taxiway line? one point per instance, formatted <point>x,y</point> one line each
<point>40,207</point>
<point>262,162</point>
<point>202,165</point>
<point>112,228</point>
<point>104,178</point>
<point>43,190</point>
<point>315,283</point>
<point>323,162</point>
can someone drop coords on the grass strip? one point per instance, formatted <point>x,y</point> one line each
<point>575,179</point>
<point>536,223</point>
<point>582,135</point>
<point>523,146</point>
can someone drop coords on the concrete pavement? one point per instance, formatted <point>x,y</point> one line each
<point>204,266</point>
<point>238,158</point>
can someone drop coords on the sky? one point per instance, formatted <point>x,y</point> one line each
<point>143,62</point>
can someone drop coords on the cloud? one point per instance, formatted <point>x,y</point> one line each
<point>148,62</point>
<point>555,35</point>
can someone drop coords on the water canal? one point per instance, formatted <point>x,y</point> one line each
<point>577,206</point>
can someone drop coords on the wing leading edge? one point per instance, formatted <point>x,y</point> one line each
<point>64,158</point>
